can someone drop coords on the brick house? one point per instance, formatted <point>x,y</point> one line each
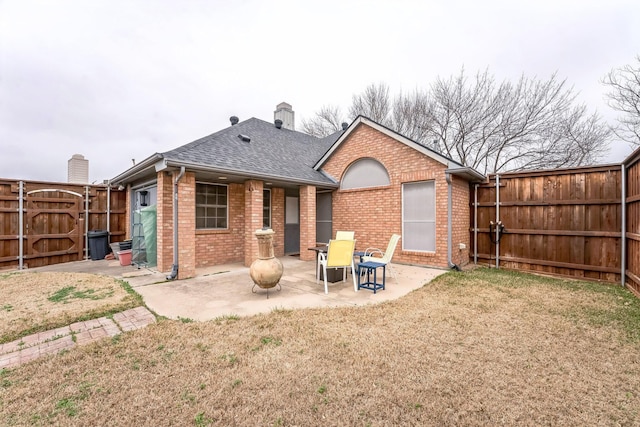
<point>253,174</point>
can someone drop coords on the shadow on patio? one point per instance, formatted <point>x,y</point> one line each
<point>226,290</point>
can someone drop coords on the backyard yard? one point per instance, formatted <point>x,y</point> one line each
<point>482,347</point>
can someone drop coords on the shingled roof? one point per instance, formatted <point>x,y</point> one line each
<point>252,147</point>
<point>256,146</point>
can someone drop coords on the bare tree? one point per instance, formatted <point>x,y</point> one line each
<point>493,127</point>
<point>528,125</point>
<point>325,122</point>
<point>373,103</point>
<point>624,97</point>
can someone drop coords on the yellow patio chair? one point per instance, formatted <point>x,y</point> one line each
<point>345,235</point>
<point>375,254</point>
<point>339,255</point>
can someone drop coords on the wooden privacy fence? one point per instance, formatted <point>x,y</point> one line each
<point>43,223</point>
<point>561,222</point>
<point>631,254</point>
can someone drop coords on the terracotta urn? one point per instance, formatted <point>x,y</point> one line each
<point>267,270</point>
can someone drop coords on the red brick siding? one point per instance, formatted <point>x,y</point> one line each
<point>376,213</point>
<point>253,219</point>
<point>460,221</point>
<point>307,222</point>
<point>187,226</point>
<point>277,220</point>
<point>165,221</point>
<point>215,247</point>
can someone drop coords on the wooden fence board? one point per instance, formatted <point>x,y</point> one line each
<point>54,221</point>
<point>632,270</point>
<point>562,222</point>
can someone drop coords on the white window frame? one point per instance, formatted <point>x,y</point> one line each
<point>226,187</point>
<point>431,247</point>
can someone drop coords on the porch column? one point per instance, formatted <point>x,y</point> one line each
<point>252,218</point>
<point>307,222</point>
<point>187,226</point>
<point>277,220</point>
<point>164,204</point>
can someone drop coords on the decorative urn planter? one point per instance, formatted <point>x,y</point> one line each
<point>267,270</point>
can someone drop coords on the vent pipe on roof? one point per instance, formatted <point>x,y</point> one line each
<point>278,123</point>
<point>345,125</point>
<point>285,113</point>
<point>234,120</point>
<point>245,138</point>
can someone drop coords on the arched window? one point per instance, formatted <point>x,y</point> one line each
<point>365,173</point>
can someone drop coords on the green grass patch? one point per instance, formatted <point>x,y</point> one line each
<point>68,293</point>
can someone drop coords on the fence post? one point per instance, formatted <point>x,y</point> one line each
<point>21,226</point>
<point>497,220</point>
<point>86,222</point>
<point>623,237</point>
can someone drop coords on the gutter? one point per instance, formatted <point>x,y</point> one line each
<point>174,267</point>
<point>245,174</point>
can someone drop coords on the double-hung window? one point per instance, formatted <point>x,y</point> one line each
<point>212,206</point>
<point>419,216</point>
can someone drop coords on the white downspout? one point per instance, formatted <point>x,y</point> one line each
<point>174,267</point>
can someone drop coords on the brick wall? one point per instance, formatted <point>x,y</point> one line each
<point>187,226</point>
<point>307,222</point>
<point>277,220</point>
<point>165,221</point>
<point>460,221</point>
<point>252,219</point>
<point>215,247</point>
<point>376,213</point>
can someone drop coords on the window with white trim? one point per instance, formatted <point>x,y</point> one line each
<point>212,206</point>
<point>365,173</point>
<point>419,216</point>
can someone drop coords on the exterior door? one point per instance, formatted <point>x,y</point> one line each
<point>291,224</point>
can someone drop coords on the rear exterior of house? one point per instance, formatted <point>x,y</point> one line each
<point>254,174</point>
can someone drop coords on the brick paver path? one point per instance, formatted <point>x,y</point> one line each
<point>50,342</point>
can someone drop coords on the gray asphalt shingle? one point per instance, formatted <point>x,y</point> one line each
<point>276,152</point>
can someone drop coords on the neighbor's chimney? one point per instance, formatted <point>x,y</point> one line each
<point>78,169</point>
<point>285,113</point>
<point>234,120</point>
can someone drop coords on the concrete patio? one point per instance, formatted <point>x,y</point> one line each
<point>227,290</point>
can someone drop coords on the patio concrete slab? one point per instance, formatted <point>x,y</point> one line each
<point>227,290</point>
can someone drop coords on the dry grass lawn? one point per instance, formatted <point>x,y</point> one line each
<point>473,348</point>
<point>36,302</point>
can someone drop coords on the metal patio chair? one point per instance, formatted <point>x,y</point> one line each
<point>377,255</point>
<point>339,255</point>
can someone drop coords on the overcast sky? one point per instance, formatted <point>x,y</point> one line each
<point>116,80</point>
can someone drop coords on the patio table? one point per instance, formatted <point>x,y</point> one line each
<point>371,267</point>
